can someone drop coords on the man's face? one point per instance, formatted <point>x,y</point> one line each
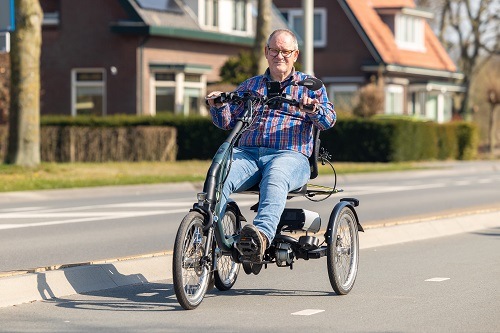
<point>281,55</point>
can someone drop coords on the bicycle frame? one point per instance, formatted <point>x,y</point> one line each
<point>209,200</point>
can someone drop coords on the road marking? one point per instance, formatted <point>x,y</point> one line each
<point>147,294</point>
<point>91,219</point>
<point>437,279</point>
<point>462,182</point>
<point>307,312</point>
<point>20,209</point>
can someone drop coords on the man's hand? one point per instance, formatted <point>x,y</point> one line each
<point>211,99</point>
<point>308,105</point>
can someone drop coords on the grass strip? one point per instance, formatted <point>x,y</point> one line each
<point>74,175</point>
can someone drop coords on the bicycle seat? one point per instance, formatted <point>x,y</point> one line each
<point>313,163</point>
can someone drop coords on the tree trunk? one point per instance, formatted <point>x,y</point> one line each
<point>263,30</point>
<point>24,115</point>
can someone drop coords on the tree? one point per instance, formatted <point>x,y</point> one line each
<point>261,34</point>
<point>470,30</point>
<point>370,98</point>
<point>237,69</point>
<point>24,116</point>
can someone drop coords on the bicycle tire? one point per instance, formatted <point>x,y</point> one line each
<point>343,251</point>
<point>191,272</point>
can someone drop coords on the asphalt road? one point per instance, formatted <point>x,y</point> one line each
<point>447,284</point>
<point>45,228</point>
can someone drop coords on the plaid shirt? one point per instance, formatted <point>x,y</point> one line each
<point>285,128</point>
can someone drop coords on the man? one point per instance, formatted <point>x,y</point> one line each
<point>274,151</point>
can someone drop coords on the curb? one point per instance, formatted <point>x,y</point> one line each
<point>57,281</point>
<point>52,282</point>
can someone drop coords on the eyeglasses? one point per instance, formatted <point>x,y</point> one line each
<point>285,53</point>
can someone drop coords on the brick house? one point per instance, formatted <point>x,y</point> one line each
<point>106,57</point>
<point>357,39</point>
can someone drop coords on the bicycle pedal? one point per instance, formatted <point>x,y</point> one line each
<point>246,245</point>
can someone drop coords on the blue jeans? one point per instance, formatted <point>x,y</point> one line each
<point>278,171</point>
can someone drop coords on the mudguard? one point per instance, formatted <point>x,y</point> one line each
<point>234,205</point>
<point>344,202</point>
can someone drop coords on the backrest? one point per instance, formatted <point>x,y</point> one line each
<point>313,159</point>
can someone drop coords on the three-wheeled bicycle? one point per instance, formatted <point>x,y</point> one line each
<point>204,250</point>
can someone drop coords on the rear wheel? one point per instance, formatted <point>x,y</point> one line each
<point>343,251</point>
<point>227,269</point>
<point>191,269</point>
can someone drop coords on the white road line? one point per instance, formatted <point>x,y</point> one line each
<point>91,219</point>
<point>437,279</point>
<point>462,182</point>
<point>307,312</point>
<point>20,209</point>
<point>362,190</point>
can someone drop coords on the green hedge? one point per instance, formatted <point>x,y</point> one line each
<point>355,140</point>
<point>384,140</point>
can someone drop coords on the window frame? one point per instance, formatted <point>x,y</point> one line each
<point>409,24</point>
<point>349,88</point>
<point>76,84</point>
<point>179,84</point>
<point>298,12</point>
<point>394,90</point>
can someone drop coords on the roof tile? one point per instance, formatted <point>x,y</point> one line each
<point>433,57</point>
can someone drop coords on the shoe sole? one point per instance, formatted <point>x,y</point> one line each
<point>250,245</point>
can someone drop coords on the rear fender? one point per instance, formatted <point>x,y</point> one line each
<point>344,202</point>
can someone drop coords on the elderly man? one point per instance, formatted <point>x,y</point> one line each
<point>274,151</point>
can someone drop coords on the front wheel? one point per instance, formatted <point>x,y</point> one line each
<point>191,269</point>
<point>343,251</point>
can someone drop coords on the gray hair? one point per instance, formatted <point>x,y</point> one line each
<point>289,32</point>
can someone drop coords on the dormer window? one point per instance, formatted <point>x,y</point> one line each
<point>212,13</point>
<point>410,32</point>
<point>233,16</point>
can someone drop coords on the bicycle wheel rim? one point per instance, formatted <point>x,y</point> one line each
<point>195,274</point>
<point>345,251</point>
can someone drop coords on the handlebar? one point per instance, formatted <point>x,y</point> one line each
<point>275,91</point>
<point>234,97</point>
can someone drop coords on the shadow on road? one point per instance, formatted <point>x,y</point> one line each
<point>160,297</point>
<point>493,232</point>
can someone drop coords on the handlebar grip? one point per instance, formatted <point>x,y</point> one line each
<point>219,99</point>
<point>309,107</point>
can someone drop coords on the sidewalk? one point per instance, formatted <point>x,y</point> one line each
<point>58,281</point>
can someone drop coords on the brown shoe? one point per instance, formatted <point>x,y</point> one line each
<point>252,243</point>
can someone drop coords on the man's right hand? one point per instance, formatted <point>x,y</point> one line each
<point>211,99</point>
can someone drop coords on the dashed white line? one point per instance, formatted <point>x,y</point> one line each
<point>437,279</point>
<point>307,312</point>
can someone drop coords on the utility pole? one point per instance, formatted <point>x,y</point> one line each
<point>308,54</point>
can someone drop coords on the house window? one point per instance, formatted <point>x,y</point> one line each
<point>212,13</point>
<point>50,19</point>
<point>178,92</point>
<point>410,32</point>
<point>295,18</point>
<point>342,96</point>
<point>240,15</point>
<point>394,99</point>
<point>88,92</point>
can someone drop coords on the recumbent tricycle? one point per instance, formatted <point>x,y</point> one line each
<point>204,250</point>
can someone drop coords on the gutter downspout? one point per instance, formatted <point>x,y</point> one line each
<point>140,94</point>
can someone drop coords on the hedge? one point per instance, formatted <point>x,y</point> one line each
<point>353,139</point>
